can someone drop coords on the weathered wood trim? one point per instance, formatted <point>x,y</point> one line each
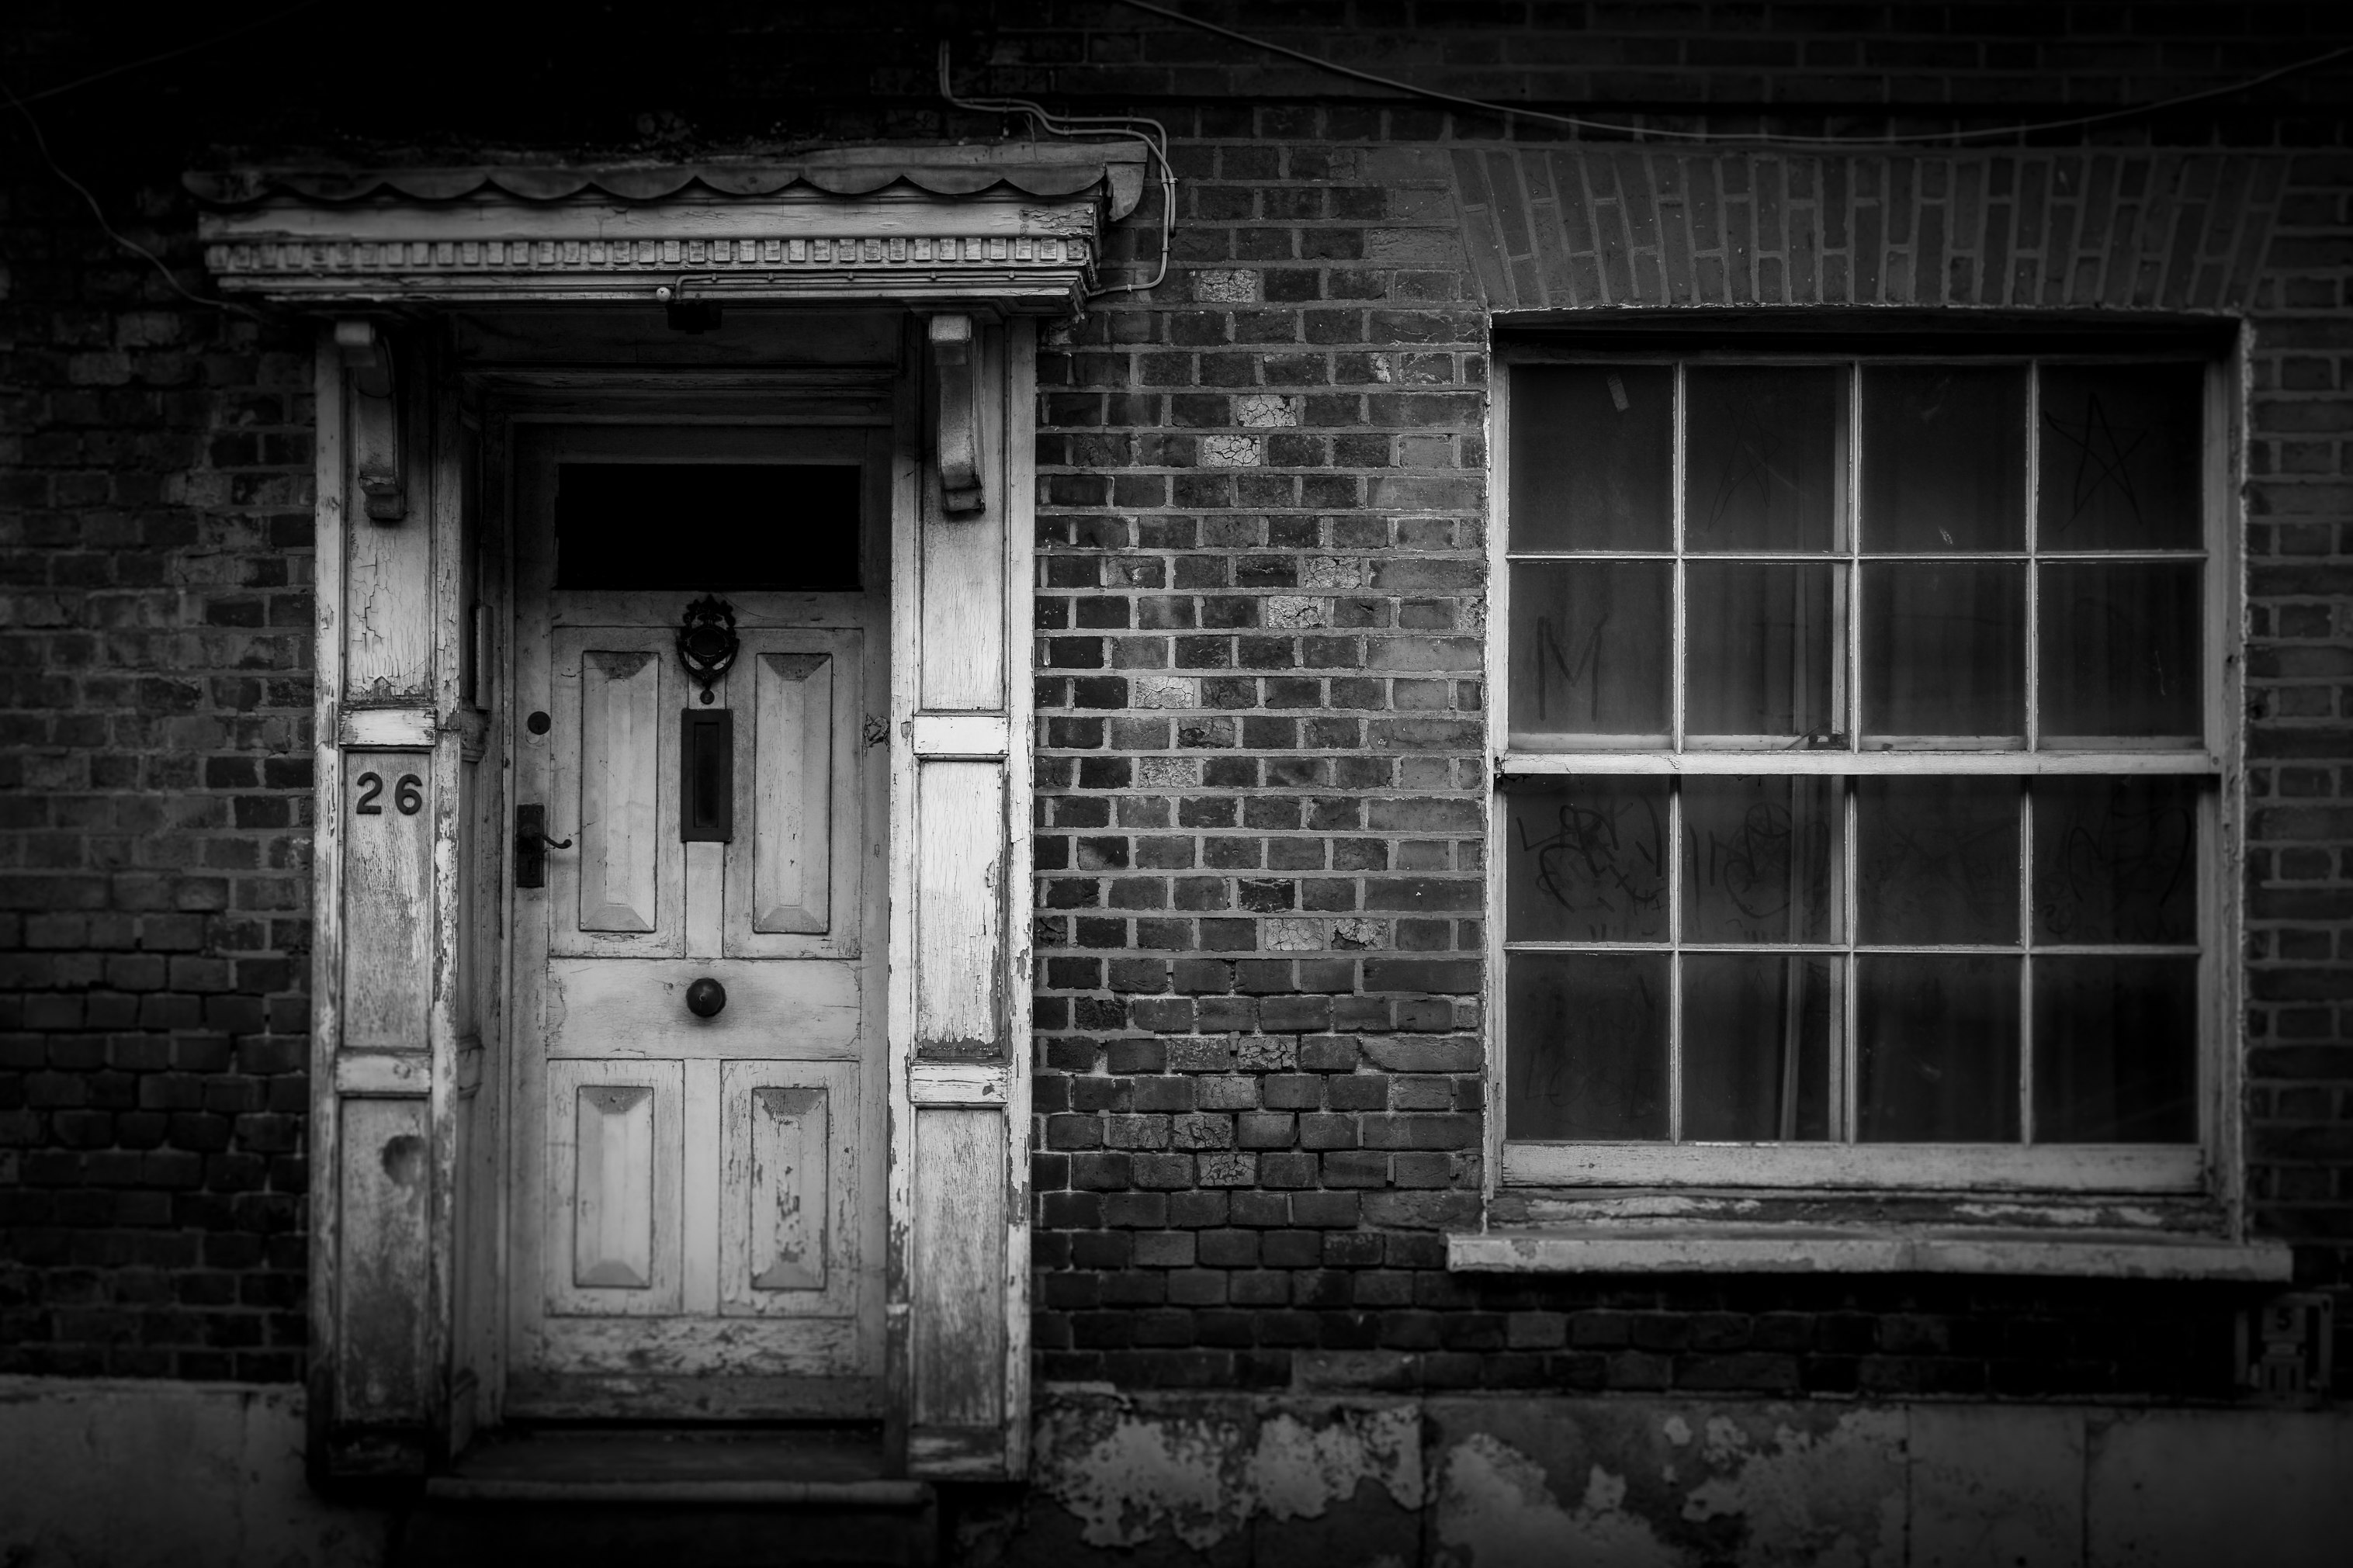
<point>404,729</point>
<point>438,415</point>
<point>959,1083</point>
<point>1019,467</point>
<point>1895,1167</point>
<point>906,611</point>
<point>2222,1119</point>
<point>326,885</point>
<point>979,737</point>
<point>397,1073</point>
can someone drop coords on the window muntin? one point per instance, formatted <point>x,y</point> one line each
<point>1857,788</point>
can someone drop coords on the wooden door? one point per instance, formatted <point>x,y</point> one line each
<point>698,1199</point>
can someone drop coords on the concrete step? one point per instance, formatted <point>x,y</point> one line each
<point>586,1499</point>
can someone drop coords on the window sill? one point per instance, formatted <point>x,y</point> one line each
<point>1685,1248</point>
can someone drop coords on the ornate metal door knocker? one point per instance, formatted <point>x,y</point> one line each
<point>707,641</point>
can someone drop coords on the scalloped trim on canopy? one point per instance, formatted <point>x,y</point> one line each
<point>1037,169</point>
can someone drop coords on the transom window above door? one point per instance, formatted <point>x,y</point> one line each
<point>1859,791</point>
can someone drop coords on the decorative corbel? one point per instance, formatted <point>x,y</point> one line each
<point>955,413</point>
<point>376,420</point>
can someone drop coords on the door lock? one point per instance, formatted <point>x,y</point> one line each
<point>532,845</point>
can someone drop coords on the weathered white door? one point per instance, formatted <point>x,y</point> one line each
<point>697,1220</point>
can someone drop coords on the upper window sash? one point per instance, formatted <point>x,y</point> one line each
<point>1772,526</point>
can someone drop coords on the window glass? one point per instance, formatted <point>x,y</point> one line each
<point>1944,458</point>
<point>1764,650</point>
<point>1587,860</point>
<point>1588,1044</point>
<point>2116,1057</point>
<point>780,527</point>
<point>1944,651</point>
<point>1938,1048</point>
<point>2120,456</point>
<point>1589,650</point>
<point>2115,861</point>
<point>2120,653</point>
<point>1761,858</point>
<point>1764,458</point>
<point>1937,860</point>
<point>1761,1028</point>
<point>1596,476</point>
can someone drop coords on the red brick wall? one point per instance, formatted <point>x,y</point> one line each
<point>1258,661</point>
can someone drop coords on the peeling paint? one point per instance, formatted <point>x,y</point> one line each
<point>1131,1473</point>
<point>1495,1510</point>
<point>1836,1500</point>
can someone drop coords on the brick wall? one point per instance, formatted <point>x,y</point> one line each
<point>154,778</point>
<point>1258,661</point>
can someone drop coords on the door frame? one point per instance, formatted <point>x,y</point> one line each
<point>411,1135</point>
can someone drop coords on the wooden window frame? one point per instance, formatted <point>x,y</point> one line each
<point>2208,1167</point>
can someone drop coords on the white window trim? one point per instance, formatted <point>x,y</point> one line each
<point>2194,1212</point>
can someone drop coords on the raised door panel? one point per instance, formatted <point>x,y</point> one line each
<point>614,1214</point>
<point>789,1242</point>
<point>960,826</point>
<point>618,890</point>
<point>793,868</point>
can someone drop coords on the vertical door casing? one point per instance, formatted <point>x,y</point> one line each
<point>394,768</point>
<point>959,1190</point>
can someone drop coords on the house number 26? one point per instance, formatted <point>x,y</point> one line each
<point>406,795</point>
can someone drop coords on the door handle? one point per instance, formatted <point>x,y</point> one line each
<point>532,845</point>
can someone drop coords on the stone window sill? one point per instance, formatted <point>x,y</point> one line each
<point>1685,1248</point>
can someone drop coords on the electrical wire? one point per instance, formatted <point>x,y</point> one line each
<point>41,145</point>
<point>1581,123</point>
<point>236,32</point>
<point>1075,126</point>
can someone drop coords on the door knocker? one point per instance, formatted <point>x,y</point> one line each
<point>707,641</point>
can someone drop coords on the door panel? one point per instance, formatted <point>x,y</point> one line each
<point>811,1010</point>
<point>794,887</point>
<point>620,890</point>
<point>788,1238</point>
<point>612,1186</point>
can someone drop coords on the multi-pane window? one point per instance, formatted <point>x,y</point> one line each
<point>1859,777</point>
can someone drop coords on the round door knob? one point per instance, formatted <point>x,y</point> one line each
<point>705,997</point>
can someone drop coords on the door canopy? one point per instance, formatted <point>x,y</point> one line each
<point>1012,224</point>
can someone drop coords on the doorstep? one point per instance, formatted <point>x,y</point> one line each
<point>822,1467</point>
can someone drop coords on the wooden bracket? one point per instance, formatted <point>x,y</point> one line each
<point>376,458</point>
<point>955,413</point>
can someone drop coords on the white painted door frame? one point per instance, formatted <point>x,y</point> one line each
<point>404,1020</point>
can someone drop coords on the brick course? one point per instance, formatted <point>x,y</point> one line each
<point>1258,655</point>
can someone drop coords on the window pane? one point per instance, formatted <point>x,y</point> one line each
<point>1761,860</point>
<point>1758,1033</point>
<point>1944,458</point>
<point>1944,649</point>
<point>2115,1050</point>
<point>1762,459</point>
<point>2115,860</point>
<point>780,527</point>
<point>1592,452</point>
<point>1589,649</point>
<point>2120,456</point>
<point>1585,860</point>
<point>1588,1046</point>
<point>1764,641</point>
<point>1937,860</point>
<point>1937,1049</point>
<point>2121,649</point>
